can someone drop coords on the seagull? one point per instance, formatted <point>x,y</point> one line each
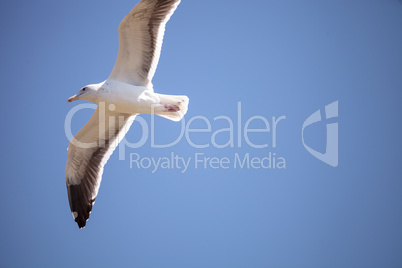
<point>127,92</point>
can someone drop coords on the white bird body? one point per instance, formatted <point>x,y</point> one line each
<point>132,99</point>
<point>127,92</point>
<point>136,100</point>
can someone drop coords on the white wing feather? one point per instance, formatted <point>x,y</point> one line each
<point>88,153</point>
<point>140,41</point>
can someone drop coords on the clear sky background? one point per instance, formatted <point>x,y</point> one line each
<point>275,58</point>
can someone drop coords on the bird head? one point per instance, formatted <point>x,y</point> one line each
<point>88,93</point>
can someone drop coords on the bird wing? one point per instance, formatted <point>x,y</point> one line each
<point>88,153</point>
<point>140,41</point>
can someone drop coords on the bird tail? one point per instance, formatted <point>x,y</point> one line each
<point>175,107</point>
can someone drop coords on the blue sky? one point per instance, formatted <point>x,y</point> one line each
<point>272,59</point>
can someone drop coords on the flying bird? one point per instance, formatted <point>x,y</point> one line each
<point>127,91</point>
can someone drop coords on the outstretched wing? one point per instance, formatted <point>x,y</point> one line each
<point>140,41</point>
<point>88,153</point>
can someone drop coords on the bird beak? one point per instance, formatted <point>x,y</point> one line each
<point>73,98</point>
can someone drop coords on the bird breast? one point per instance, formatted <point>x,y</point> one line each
<point>127,98</point>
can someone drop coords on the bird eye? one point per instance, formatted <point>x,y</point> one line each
<point>84,89</point>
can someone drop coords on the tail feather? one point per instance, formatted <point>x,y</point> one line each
<point>176,106</point>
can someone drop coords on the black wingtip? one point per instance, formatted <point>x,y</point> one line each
<point>81,222</point>
<point>79,204</point>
